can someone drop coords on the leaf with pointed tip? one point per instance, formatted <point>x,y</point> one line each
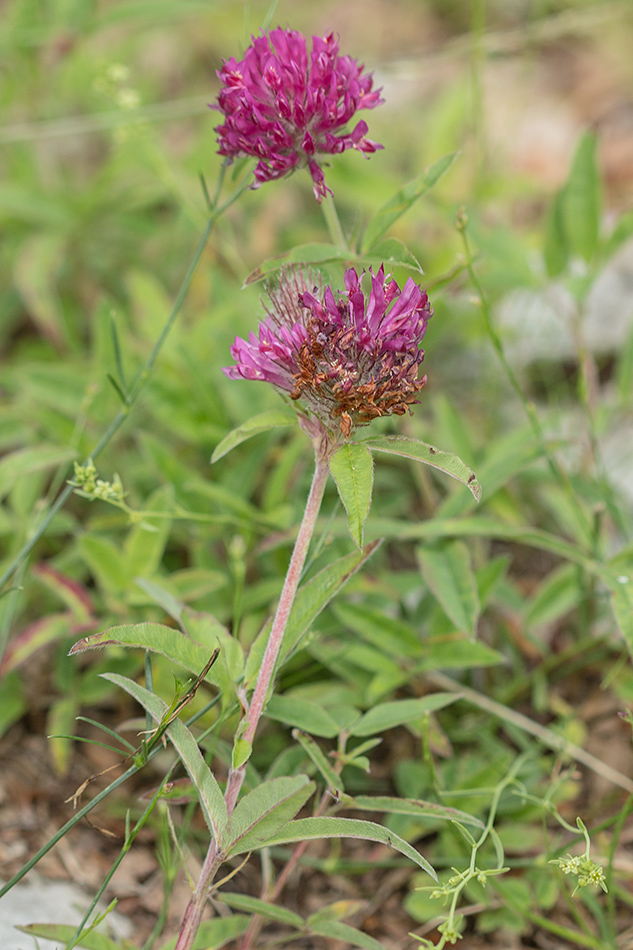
<point>213,934</point>
<point>449,574</point>
<point>64,934</point>
<point>390,252</point>
<point>333,780</point>
<point>314,253</point>
<point>264,811</point>
<point>253,905</point>
<point>304,829</point>
<point>310,717</point>
<point>353,470</point>
<point>270,419</point>
<point>422,452</point>
<point>411,806</point>
<point>388,715</point>
<point>169,642</point>
<point>337,930</point>
<point>403,199</point>
<point>211,798</point>
<point>581,199</point>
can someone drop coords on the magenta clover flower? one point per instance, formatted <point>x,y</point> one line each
<point>284,107</point>
<point>347,358</point>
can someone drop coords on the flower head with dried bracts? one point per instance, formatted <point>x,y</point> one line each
<point>348,358</point>
<point>284,106</point>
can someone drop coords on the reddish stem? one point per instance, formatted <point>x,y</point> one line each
<point>214,858</point>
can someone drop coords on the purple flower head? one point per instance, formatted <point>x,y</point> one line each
<point>350,357</point>
<point>284,106</point>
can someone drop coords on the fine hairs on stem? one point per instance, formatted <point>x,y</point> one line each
<point>250,721</point>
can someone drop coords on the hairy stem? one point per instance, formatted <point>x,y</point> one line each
<point>193,914</point>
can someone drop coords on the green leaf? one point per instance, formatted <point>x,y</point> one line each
<point>314,253</point>
<point>394,637</point>
<point>454,651</point>
<point>12,702</point>
<point>337,930</point>
<point>36,274</point>
<point>581,200</point>
<point>388,715</point>
<point>403,199</point>
<point>264,811</point>
<point>64,934</point>
<point>16,465</point>
<point>487,528</point>
<point>213,934</point>
<point>556,250</point>
<point>311,598</point>
<point>353,470</point>
<point>253,905</point>
<point>622,606</point>
<point>205,783</point>
<point>143,549</point>
<point>305,715</point>
<point>558,593</point>
<point>421,452</point>
<point>33,637</point>
<point>448,572</point>
<point>333,780</point>
<point>106,562</point>
<point>259,423</point>
<point>169,642</point>
<point>506,457</point>
<point>392,252</point>
<point>304,829</point>
<point>411,806</point>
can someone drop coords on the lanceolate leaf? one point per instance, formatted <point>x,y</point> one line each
<point>308,604</point>
<point>581,200</point>
<point>448,572</point>
<point>403,199</point>
<point>253,905</point>
<point>411,806</point>
<point>337,930</point>
<point>303,714</point>
<point>307,828</point>
<point>353,470</point>
<point>388,715</point>
<point>260,423</point>
<point>622,605</point>
<point>169,642</point>
<point>421,452</point>
<point>302,254</point>
<point>264,811</point>
<point>211,798</point>
<point>323,764</point>
<point>390,251</point>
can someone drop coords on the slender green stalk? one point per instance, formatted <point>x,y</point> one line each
<point>127,844</point>
<point>333,222</point>
<point>136,387</point>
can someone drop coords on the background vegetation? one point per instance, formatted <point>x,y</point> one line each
<point>520,608</point>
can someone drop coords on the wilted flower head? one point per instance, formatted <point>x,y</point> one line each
<point>284,106</point>
<point>348,358</point>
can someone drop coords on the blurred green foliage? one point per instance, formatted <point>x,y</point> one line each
<point>525,601</point>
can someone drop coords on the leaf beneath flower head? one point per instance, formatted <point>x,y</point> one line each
<point>260,423</point>
<point>421,452</point>
<point>403,199</point>
<point>353,470</point>
<point>302,254</point>
<point>391,251</point>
